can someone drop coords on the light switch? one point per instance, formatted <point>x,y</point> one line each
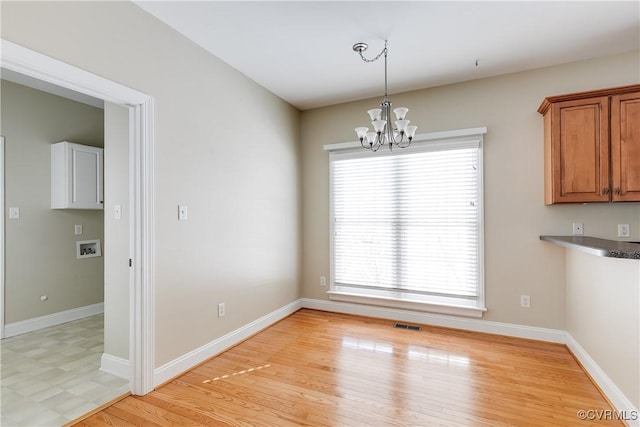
<point>182,212</point>
<point>78,229</point>
<point>117,212</point>
<point>14,213</point>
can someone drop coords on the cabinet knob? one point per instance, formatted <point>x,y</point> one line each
<point>618,191</point>
<point>606,190</point>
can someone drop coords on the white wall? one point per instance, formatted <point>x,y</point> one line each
<point>116,231</point>
<point>515,215</point>
<point>41,244</point>
<point>603,315</point>
<point>224,146</point>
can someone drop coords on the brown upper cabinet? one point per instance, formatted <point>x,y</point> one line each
<point>592,146</point>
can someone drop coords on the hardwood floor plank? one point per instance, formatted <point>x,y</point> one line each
<point>103,419</point>
<point>325,369</point>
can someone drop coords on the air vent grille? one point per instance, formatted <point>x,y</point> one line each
<point>405,326</point>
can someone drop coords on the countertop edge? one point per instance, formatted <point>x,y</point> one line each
<point>597,246</point>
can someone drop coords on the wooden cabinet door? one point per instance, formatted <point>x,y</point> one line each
<point>625,147</point>
<point>580,150</point>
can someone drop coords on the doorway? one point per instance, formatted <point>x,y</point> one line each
<point>140,108</point>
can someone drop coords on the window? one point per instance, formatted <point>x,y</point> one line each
<point>407,227</point>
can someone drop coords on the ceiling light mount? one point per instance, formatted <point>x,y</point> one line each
<point>383,132</point>
<point>360,47</point>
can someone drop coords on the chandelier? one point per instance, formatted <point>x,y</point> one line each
<point>400,134</point>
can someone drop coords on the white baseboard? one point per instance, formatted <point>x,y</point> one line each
<point>115,365</point>
<point>30,325</point>
<point>188,361</point>
<point>508,329</point>
<point>608,387</point>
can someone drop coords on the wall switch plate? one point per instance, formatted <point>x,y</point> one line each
<point>182,212</point>
<point>578,229</point>
<point>623,230</point>
<point>323,281</point>
<point>14,213</point>
<point>525,301</point>
<point>77,229</point>
<point>117,212</point>
<point>221,309</point>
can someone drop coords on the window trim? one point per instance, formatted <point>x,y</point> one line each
<point>435,141</point>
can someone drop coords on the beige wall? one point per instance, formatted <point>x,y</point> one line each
<point>515,215</point>
<point>603,315</point>
<point>224,146</point>
<point>41,245</point>
<point>116,231</point>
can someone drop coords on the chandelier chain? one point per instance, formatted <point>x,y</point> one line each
<point>383,52</point>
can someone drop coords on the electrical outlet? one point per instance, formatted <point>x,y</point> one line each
<point>623,230</point>
<point>578,229</point>
<point>221,309</point>
<point>323,281</point>
<point>525,301</point>
<point>77,229</point>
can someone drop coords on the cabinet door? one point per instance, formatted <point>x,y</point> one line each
<point>625,147</point>
<point>580,150</point>
<point>86,177</point>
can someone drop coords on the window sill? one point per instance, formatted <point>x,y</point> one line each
<point>402,303</point>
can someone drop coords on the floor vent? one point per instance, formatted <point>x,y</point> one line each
<point>410,327</point>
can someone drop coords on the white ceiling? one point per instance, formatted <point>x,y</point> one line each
<point>301,50</point>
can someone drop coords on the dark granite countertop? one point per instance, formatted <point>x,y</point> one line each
<point>597,246</point>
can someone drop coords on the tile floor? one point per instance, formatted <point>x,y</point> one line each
<point>51,376</point>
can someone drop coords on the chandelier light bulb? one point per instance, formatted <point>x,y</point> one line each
<point>371,137</point>
<point>401,125</point>
<point>401,112</point>
<point>411,131</point>
<point>361,132</point>
<point>375,114</point>
<point>378,125</point>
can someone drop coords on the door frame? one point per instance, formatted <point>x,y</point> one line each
<point>141,142</point>
<point>2,240</point>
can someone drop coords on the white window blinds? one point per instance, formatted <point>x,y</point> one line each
<point>409,222</point>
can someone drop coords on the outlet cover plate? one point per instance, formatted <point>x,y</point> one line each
<point>14,213</point>
<point>578,229</point>
<point>183,212</point>
<point>623,230</point>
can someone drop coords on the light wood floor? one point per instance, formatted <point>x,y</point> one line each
<point>323,369</point>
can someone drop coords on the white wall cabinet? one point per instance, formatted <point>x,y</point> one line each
<point>77,180</point>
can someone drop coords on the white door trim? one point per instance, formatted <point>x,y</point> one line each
<point>2,231</point>
<point>33,64</point>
